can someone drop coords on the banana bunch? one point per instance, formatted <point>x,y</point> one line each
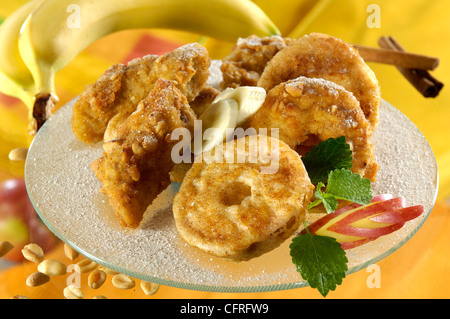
<point>43,36</point>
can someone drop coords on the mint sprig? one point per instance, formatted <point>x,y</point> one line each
<point>328,155</point>
<point>320,260</point>
<point>345,185</point>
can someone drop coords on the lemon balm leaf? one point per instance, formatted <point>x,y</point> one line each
<point>328,155</point>
<point>345,185</point>
<point>329,200</point>
<point>320,260</point>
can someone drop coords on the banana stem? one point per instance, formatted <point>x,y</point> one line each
<point>43,108</point>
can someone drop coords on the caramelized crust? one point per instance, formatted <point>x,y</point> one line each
<point>122,87</point>
<point>248,58</point>
<point>135,168</point>
<point>322,56</point>
<point>237,211</point>
<point>307,110</point>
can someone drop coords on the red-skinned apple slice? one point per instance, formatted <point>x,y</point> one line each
<point>401,215</point>
<point>355,225</point>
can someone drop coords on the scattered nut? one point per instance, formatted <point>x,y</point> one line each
<point>107,270</point>
<point>99,297</point>
<point>96,278</point>
<point>5,247</point>
<point>19,297</point>
<point>122,281</point>
<point>73,292</point>
<point>52,267</point>
<point>18,154</point>
<point>33,252</point>
<point>149,288</point>
<point>70,253</point>
<point>37,279</point>
<point>84,266</point>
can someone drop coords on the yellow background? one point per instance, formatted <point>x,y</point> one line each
<point>420,268</point>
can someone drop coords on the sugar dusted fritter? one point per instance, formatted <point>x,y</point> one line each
<point>248,58</point>
<point>134,170</point>
<point>122,87</point>
<point>308,110</point>
<point>235,209</point>
<point>204,99</point>
<point>322,56</point>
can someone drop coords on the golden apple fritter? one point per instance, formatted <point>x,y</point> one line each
<point>308,110</point>
<point>134,170</point>
<point>319,55</point>
<point>248,58</point>
<point>122,87</point>
<point>234,209</point>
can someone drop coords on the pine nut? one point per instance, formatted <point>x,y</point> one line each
<point>33,252</point>
<point>52,267</point>
<point>19,297</point>
<point>73,292</point>
<point>37,279</point>
<point>18,154</point>
<point>84,266</point>
<point>70,253</point>
<point>121,281</point>
<point>99,297</point>
<point>96,278</point>
<point>149,288</point>
<point>107,270</point>
<point>5,247</point>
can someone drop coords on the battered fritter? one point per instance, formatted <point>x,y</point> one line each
<point>248,58</point>
<point>135,168</point>
<point>322,56</point>
<point>309,109</point>
<point>236,210</point>
<point>120,89</point>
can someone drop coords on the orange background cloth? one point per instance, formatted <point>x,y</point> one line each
<point>419,269</point>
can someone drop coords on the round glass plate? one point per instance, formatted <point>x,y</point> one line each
<point>65,193</point>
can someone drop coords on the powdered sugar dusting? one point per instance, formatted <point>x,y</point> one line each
<point>64,190</point>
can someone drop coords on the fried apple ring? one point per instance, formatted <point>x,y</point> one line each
<point>248,58</point>
<point>309,109</point>
<point>121,88</point>
<point>235,210</point>
<point>322,56</point>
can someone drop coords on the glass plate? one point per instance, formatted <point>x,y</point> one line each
<point>65,193</point>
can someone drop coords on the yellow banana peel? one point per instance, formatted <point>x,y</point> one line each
<point>56,31</point>
<point>15,78</point>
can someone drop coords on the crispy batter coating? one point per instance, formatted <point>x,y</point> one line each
<point>122,87</point>
<point>248,58</point>
<point>232,209</point>
<point>309,109</point>
<point>135,169</point>
<point>204,99</point>
<point>322,56</point>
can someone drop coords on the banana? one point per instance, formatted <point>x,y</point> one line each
<point>231,108</point>
<point>249,99</point>
<point>49,40</point>
<point>15,78</point>
<point>217,124</point>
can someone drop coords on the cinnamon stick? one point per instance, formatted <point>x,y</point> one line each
<point>397,57</point>
<point>420,78</point>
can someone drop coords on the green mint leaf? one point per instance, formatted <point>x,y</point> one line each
<point>328,155</point>
<point>342,184</point>
<point>329,200</point>
<point>320,260</point>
